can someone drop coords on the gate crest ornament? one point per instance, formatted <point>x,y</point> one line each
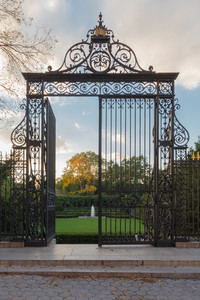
<point>100,53</point>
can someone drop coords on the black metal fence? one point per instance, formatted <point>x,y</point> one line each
<point>6,196</point>
<point>187,198</point>
<point>124,217</point>
<point>27,180</point>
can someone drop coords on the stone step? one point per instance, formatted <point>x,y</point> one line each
<point>106,272</point>
<point>187,244</point>
<point>165,262</point>
<point>8,244</point>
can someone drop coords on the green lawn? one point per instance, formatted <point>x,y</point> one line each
<point>90,226</point>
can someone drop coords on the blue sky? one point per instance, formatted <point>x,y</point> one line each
<point>164,34</point>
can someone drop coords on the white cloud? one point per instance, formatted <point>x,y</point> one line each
<point>5,140</point>
<point>61,146</point>
<point>77,126</point>
<point>161,33</point>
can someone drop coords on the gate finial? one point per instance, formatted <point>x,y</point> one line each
<point>100,30</point>
<point>100,19</point>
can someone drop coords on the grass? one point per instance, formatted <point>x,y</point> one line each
<point>73,226</point>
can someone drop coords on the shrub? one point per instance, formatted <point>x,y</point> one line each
<point>62,238</point>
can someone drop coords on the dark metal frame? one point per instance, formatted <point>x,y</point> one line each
<point>103,67</point>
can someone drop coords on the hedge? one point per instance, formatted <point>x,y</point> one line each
<point>67,201</point>
<point>62,238</point>
<point>73,206</point>
<point>82,201</point>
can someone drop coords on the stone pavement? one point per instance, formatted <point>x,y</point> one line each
<point>119,261</point>
<point>125,255</point>
<point>88,272</point>
<point>34,287</point>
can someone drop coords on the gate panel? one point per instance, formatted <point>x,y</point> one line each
<point>126,153</point>
<point>164,171</point>
<point>35,198</point>
<point>50,174</point>
<point>40,177</point>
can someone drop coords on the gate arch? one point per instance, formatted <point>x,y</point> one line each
<point>136,120</point>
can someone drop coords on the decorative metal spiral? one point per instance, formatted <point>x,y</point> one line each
<point>100,53</point>
<point>18,135</point>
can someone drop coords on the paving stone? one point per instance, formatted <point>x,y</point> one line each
<point>66,288</point>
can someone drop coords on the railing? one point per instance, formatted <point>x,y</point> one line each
<point>187,198</point>
<point>6,195</point>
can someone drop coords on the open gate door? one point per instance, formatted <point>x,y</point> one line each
<point>50,174</point>
<point>40,173</point>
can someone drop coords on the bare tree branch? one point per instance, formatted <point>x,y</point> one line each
<point>19,50</point>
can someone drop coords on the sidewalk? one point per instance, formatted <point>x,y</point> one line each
<point>87,255</point>
<point>110,261</point>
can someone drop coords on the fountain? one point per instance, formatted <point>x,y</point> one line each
<point>92,211</point>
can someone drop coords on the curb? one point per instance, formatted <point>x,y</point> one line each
<point>108,274</point>
<point>105,263</point>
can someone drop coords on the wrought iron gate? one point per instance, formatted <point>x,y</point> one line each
<point>50,177</point>
<point>136,134</point>
<point>138,138</point>
<point>126,169</point>
<point>34,174</point>
<point>142,148</point>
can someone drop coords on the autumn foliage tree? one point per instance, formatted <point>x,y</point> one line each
<point>81,173</point>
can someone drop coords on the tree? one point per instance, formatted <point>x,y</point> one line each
<point>19,50</point>
<point>131,174</point>
<point>81,173</point>
<point>197,147</point>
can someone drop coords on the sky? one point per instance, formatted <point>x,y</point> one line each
<point>164,34</point>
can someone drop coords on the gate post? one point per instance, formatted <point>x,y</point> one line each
<point>50,159</point>
<point>156,171</point>
<point>99,181</point>
<point>164,164</point>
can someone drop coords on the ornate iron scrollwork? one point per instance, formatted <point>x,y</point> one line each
<point>181,135</point>
<point>18,135</point>
<point>100,53</point>
<point>99,88</point>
